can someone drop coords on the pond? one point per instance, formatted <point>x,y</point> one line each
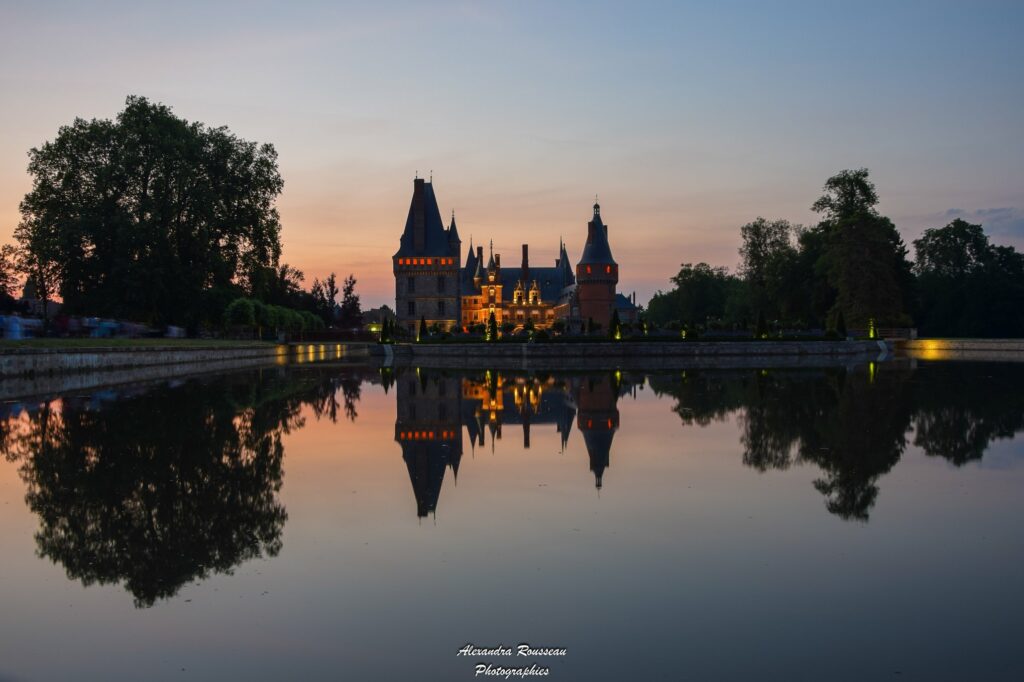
<point>326,521</point>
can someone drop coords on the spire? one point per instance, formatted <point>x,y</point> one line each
<point>471,258</point>
<point>453,232</point>
<point>596,250</point>
<point>478,274</point>
<point>490,263</point>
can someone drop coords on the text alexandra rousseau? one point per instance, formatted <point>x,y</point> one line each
<point>491,670</point>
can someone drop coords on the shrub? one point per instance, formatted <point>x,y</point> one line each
<point>240,313</point>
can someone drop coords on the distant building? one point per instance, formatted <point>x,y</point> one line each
<point>373,319</point>
<point>431,284</point>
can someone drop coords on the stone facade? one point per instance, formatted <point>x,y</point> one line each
<point>426,265</point>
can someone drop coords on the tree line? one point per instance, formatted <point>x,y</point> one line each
<point>155,219</point>
<point>852,268</point>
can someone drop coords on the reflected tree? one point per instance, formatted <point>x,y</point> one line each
<point>165,486</point>
<point>851,424</point>
<point>962,408</point>
<point>859,437</point>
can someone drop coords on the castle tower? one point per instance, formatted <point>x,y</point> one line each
<point>426,265</point>
<point>598,420</point>
<point>429,429</point>
<point>597,274</point>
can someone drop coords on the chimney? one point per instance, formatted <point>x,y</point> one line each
<point>526,263</point>
<point>419,218</point>
<point>590,232</point>
<point>497,261</point>
<point>480,254</point>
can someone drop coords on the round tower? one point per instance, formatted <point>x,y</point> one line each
<point>597,274</point>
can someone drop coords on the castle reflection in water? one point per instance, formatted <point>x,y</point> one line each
<point>438,413</point>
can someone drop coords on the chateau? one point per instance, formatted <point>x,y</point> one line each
<point>431,283</point>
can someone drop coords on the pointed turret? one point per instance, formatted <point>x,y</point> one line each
<point>454,243</point>
<point>478,274</point>
<point>597,251</point>
<point>466,276</point>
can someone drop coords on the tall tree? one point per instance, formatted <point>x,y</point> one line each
<point>331,294</point>
<point>351,315</point>
<point>8,271</point>
<point>865,256</point>
<point>149,216</point>
<point>768,260</point>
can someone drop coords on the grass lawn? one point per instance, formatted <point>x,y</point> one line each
<point>6,344</point>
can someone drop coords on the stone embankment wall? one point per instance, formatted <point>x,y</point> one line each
<point>651,349</point>
<point>45,361</point>
<point>30,371</point>
<point>45,385</point>
<point>650,355</point>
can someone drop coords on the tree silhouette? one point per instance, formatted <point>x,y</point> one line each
<point>168,485</point>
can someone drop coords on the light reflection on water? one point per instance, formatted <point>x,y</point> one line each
<point>318,519</point>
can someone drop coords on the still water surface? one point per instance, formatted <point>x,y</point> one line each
<point>332,522</point>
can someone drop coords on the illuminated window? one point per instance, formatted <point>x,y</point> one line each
<point>588,269</point>
<point>608,269</point>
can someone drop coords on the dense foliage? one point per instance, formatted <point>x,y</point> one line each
<point>849,269</point>
<point>968,287</point>
<point>149,217</point>
<point>155,219</point>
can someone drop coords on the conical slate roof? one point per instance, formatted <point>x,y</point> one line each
<point>453,232</point>
<point>597,251</point>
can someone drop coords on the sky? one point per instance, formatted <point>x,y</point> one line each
<point>687,120</point>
